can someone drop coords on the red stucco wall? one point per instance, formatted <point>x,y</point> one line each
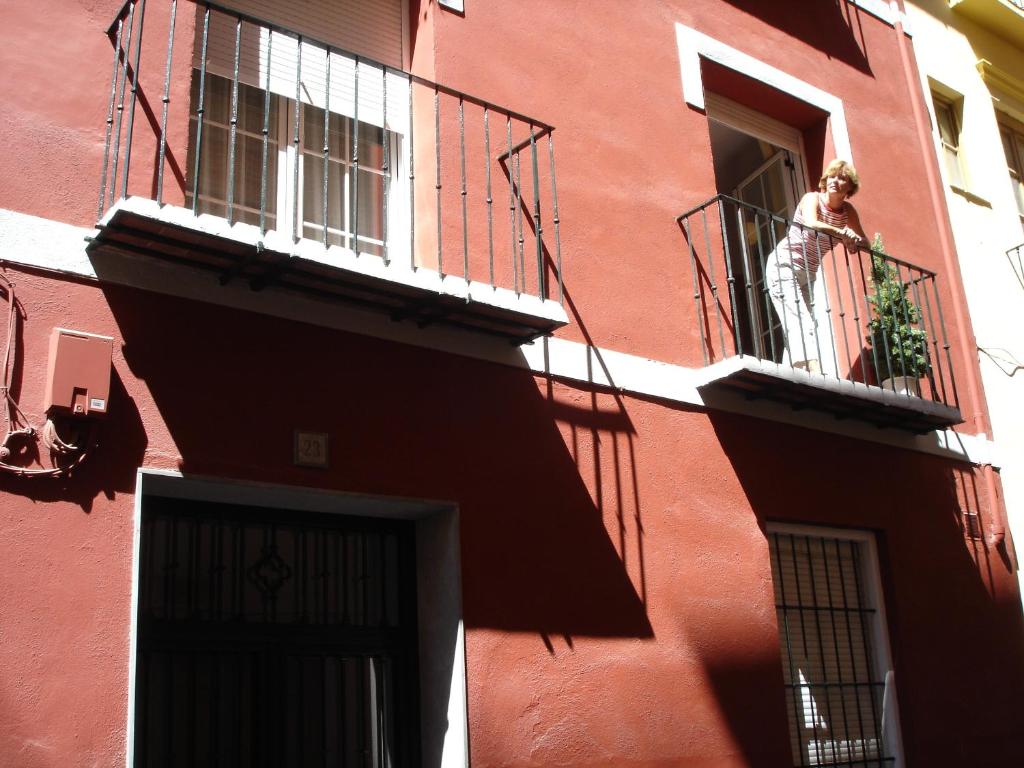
<point>616,586</point>
<point>618,605</point>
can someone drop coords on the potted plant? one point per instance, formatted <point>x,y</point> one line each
<point>898,345</point>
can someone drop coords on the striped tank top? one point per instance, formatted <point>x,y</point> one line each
<point>807,246</point>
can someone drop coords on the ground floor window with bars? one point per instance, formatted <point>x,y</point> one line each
<point>839,690</point>
<point>274,638</point>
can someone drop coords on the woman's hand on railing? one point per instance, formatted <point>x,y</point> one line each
<point>852,239</point>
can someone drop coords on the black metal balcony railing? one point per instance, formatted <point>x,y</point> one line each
<point>306,142</point>
<point>864,318</point>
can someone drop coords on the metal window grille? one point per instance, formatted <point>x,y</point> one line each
<point>834,685</point>
<point>274,639</point>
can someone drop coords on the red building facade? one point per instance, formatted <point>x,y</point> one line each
<point>449,420</point>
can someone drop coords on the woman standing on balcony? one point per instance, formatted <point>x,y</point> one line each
<point>822,218</point>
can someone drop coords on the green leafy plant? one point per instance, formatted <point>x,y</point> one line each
<point>900,347</point>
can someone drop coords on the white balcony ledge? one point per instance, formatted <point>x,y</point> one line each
<point>844,399</point>
<point>1004,18</point>
<point>136,225</point>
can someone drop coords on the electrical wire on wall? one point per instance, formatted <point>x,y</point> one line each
<point>21,437</point>
<point>1003,359</point>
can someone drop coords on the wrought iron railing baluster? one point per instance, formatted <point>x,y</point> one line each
<point>200,111</point>
<point>926,328</point>
<point>842,310</point>
<point>830,324</point>
<point>865,291</point>
<point>512,204</point>
<point>935,356</point>
<point>878,267</point>
<point>518,184</point>
<point>296,139</point>
<point>538,232</point>
<point>265,149</point>
<point>355,158</point>
<point>412,180</point>
<point>945,345</point>
<point>730,281</point>
<point>555,218</point>
<point>715,298</point>
<point>488,199</point>
<point>748,285</point>
<point>385,162</point>
<point>127,43</point>
<point>437,177</point>
<point>233,134</point>
<point>135,95</point>
<point>110,117</point>
<point>462,192</point>
<point>905,336</point>
<point>166,104</point>
<point>326,159</point>
<point>696,289</point>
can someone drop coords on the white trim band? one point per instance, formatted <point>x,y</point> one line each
<point>54,245</point>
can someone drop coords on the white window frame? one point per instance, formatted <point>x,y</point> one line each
<point>953,161</point>
<point>760,126</point>
<point>694,46</point>
<point>871,583</point>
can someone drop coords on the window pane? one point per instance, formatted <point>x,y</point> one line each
<point>249,175</point>
<point>1017,171</point>
<point>947,123</point>
<point>313,199</point>
<point>371,146</point>
<point>313,133</point>
<point>248,152</point>
<point>251,106</point>
<point>370,211</point>
<point>216,99</point>
<point>949,134</point>
<point>953,166</point>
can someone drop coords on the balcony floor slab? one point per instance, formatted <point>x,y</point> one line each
<point>239,252</point>
<point>842,398</point>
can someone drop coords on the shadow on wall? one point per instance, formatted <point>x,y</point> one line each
<point>232,387</point>
<point>944,590</point>
<point>111,466</point>
<point>835,28</point>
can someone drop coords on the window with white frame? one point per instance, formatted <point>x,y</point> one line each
<point>305,141</point>
<point>1013,146</point>
<point>840,698</point>
<point>947,121</point>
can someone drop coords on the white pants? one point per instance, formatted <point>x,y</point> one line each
<point>791,290</point>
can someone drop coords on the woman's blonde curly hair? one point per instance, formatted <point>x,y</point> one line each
<point>843,169</point>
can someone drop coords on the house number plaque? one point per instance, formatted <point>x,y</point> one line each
<point>311,449</point>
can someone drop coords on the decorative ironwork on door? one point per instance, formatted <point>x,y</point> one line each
<point>271,638</point>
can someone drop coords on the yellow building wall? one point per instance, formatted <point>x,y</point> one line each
<point>949,44</point>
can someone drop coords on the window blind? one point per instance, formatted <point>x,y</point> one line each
<point>274,60</point>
